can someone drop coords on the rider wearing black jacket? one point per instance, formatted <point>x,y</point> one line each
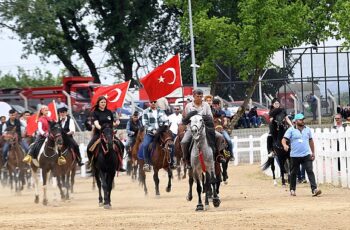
<point>275,110</point>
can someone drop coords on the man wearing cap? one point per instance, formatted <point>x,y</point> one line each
<point>220,114</point>
<point>68,129</point>
<point>132,128</point>
<point>300,138</point>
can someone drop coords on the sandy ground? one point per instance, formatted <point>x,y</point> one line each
<point>249,201</point>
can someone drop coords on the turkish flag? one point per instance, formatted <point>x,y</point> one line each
<point>164,79</point>
<point>114,94</point>
<point>32,124</point>
<point>32,121</point>
<point>53,111</point>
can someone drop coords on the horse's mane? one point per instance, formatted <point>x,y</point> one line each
<point>186,120</point>
<point>159,133</point>
<point>209,130</point>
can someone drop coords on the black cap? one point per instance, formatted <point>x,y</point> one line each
<point>63,109</point>
<point>136,113</point>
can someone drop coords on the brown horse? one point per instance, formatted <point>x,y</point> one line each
<point>163,141</point>
<point>66,173</point>
<point>178,151</point>
<point>47,160</point>
<point>137,162</point>
<point>15,165</point>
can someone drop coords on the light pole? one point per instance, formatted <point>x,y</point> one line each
<point>193,65</point>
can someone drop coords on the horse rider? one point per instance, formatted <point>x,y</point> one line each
<point>202,108</point>
<point>43,133</point>
<point>151,119</point>
<point>220,114</point>
<point>9,125</point>
<point>275,110</point>
<point>101,116</point>
<point>68,130</point>
<point>132,128</point>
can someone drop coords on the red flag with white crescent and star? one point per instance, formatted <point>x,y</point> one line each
<point>115,95</point>
<point>164,79</point>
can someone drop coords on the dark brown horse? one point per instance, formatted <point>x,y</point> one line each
<point>161,154</point>
<point>15,166</point>
<point>47,160</point>
<point>178,151</point>
<point>66,173</point>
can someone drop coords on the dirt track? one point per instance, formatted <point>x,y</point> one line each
<point>249,201</point>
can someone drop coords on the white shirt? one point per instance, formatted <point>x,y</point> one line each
<point>175,120</point>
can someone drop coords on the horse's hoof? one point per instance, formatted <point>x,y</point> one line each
<point>225,182</point>
<point>107,206</point>
<point>275,183</point>
<point>45,202</point>
<point>157,193</point>
<point>168,189</point>
<point>200,207</point>
<point>206,207</point>
<point>189,197</point>
<point>100,204</point>
<point>216,202</point>
<point>36,200</point>
<point>184,177</point>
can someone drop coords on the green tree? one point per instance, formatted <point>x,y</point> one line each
<point>127,31</point>
<point>245,34</point>
<point>23,79</point>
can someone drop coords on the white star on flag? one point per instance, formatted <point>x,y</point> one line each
<point>161,79</point>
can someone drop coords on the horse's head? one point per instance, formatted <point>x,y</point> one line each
<point>107,136</point>
<point>11,136</point>
<point>280,121</point>
<point>196,126</point>
<point>55,134</point>
<point>164,136</point>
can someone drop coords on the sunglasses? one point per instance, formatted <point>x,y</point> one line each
<point>153,102</point>
<point>337,118</point>
<point>176,109</point>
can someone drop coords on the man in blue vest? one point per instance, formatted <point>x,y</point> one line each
<point>301,142</point>
<point>12,123</point>
<point>68,129</point>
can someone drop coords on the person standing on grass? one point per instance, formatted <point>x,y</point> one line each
<point>300,139</point>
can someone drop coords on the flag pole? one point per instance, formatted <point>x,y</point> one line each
<point>193,65</point>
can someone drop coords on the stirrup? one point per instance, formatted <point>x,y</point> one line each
<point>61,161</point>
<point>271,154</point>
<point>27,159</point>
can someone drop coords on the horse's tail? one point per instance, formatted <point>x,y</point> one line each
<point>267,164</point>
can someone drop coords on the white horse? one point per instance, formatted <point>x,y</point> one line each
<point>202,159</point>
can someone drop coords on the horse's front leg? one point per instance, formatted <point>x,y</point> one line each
<point>216,199</point>
<point>36,184</point>
<point>199,193</point>
<point>170,175</point>
<point>59,184</point>
<point>272,159</point>
<point>103,176</point>
<point>44,177</point>
<point>98,183</point>
<point>156,180</point>
<point>190,185</point>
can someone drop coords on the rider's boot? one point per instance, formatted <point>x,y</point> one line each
<point>79,160</point>
<point>186,154</point>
